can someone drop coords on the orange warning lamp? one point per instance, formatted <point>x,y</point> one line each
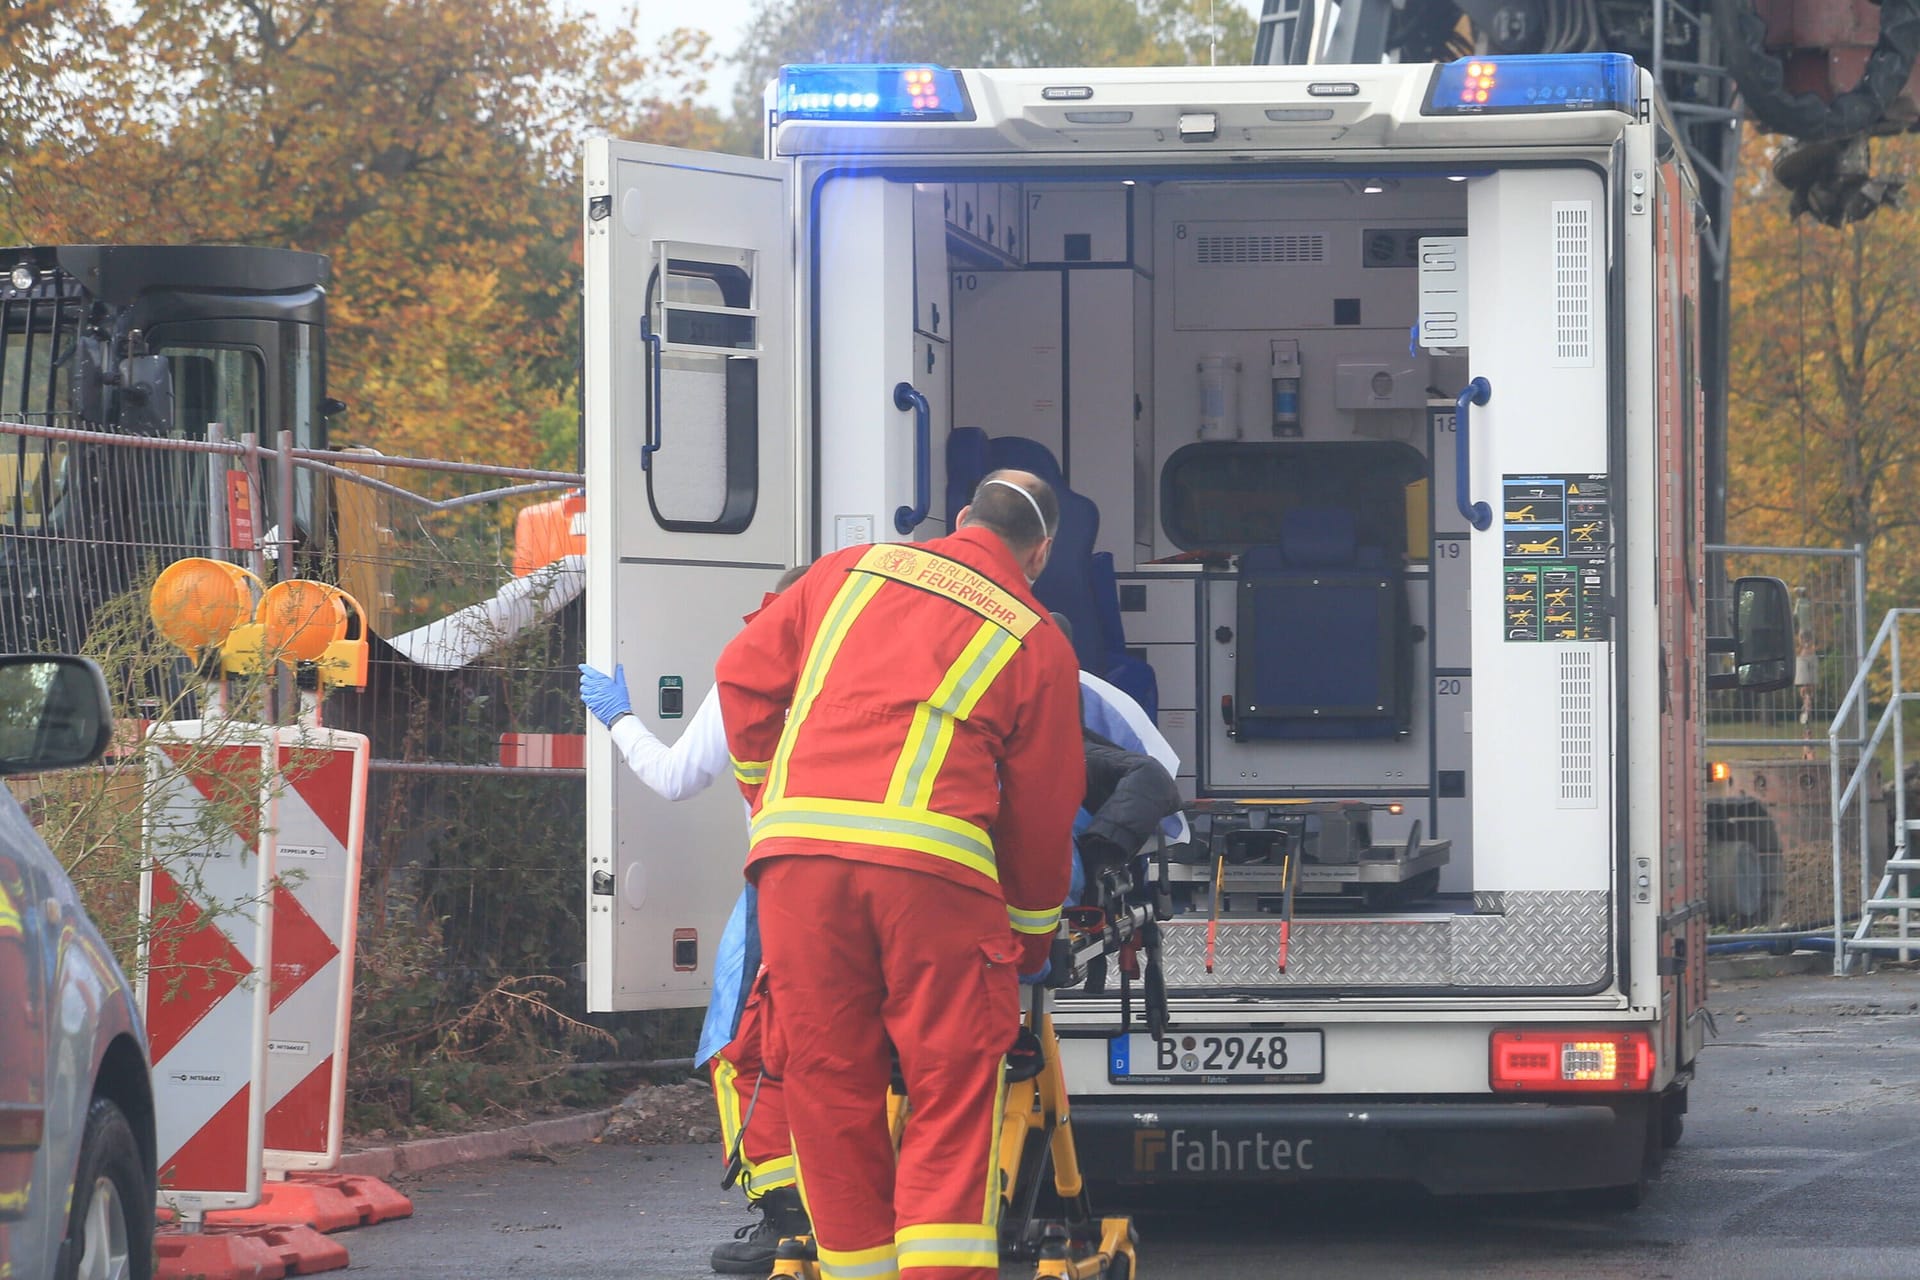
<point>199,603</point>
<point>318,623</point>
<point>302,618</point>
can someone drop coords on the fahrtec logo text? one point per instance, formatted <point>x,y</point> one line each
<point>1210,1151</point>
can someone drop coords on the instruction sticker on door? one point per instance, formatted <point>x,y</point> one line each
<point>1557,534</point>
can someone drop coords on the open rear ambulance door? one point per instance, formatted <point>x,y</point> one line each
<point>690,519</point>
<point>1546,565</point>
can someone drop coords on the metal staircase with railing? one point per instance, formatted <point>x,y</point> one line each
<point>1890,914</point>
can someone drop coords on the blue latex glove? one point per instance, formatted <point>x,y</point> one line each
<point>1035,979</point>
<point>605,695</point>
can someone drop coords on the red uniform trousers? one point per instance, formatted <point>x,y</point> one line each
<point>859,954</point>
<point>753,1105</point>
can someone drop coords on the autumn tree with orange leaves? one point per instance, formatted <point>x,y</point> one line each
<point>1823,431</point>
<point>430,148</point>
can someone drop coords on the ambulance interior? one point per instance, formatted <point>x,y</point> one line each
<point>1258,538</point>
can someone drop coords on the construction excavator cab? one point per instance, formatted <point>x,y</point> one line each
<point>145,342</point>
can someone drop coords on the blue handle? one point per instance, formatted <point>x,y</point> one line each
<point>905,397</point>
<point>651,444</point>
<point>1477,514</point>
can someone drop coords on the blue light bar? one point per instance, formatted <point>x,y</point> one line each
<point>1519,83</point>
<point>893,91</point>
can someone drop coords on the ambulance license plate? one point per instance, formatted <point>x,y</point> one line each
<point>1218,1057</point>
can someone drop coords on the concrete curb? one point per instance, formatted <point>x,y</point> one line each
<point>462,1148</point>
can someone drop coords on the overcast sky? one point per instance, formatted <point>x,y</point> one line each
<point>727,20</point>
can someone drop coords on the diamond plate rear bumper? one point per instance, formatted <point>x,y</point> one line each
<point>1558,940</point>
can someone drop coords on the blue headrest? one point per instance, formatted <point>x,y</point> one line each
<point>1023,454</point>
<point>967,453</point>
<point>1318,537</point>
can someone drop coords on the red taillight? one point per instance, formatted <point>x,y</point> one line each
<point>1563,1061</point>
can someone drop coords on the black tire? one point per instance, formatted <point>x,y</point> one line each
<point>1630,1195</point>
<point>1120,1269</point>
<point>1673,1117</point>
<point>109,1156</point>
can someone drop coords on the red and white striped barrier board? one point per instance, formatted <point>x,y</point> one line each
<point>543,750</point>
<point>318,835</point>
<point>209,815</point>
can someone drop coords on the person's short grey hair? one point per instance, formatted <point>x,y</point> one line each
<point>1008,506</point>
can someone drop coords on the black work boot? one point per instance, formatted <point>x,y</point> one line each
<point>751,1250</point>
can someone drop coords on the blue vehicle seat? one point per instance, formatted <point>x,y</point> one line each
<point>1325,643</point>
<point>1077,582</point>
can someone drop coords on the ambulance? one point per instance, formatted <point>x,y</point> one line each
<point>1373,397</point>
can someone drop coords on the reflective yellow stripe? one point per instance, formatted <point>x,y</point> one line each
<point>750,771</point>
<point>755,1179</point>
<point>951,579</point>
<point>1033,921</point>
<point>999,653</point>
<point>973,686</point>
<point>882,825</point>
<point>727,1099</point>
<point>853,596</point>
<point>800,1184</point>
<point>9,914</point>
<point>990,1210</point>
<point>954,698</point>
<point>771,1176</point>
<point>948,1244</point>
<point>861,1264</point>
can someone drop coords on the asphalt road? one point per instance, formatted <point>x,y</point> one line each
<point>1800,1159</point>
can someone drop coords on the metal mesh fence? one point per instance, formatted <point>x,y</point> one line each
<point>470,580</point>
<point>1769,819</point>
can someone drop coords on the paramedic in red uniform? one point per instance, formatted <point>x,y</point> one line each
<point>912,818</point>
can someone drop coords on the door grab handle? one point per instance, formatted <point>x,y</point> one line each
<point>1477,514</point>
<point>905,397</point>
<point>651,445</point>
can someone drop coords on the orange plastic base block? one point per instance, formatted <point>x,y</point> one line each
<point>245,1253</point>
<point>323,1201</point>
<point>290,1204</point>
<point>376,1201</point>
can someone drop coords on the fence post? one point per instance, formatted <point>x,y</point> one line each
<point>216,494</point>
<point>286,705</point>
<point>283,498</point>
<point>256,558</point>
<point>1860,721</point>
<point>1838,819</point>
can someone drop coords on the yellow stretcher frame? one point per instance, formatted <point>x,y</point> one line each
<point>1037,1113</point>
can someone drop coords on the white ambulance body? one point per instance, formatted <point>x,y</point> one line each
<point>1232,310</point>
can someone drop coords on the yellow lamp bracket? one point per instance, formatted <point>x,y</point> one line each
<point>315,627</point>
<point>200,604</point>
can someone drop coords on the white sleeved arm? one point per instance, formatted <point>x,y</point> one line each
<point>690,765</point>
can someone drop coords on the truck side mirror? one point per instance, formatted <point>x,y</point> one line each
<point>54,712</point>
<point>1762,641</point>
<point>1762,634</point>
<point>146,395</point>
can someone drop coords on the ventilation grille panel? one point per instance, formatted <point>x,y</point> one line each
<point>1221,251</point>
<point>1579,785</point>
<point>1573,283</point>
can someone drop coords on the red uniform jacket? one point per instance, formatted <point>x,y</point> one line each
<point>913,705</point>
